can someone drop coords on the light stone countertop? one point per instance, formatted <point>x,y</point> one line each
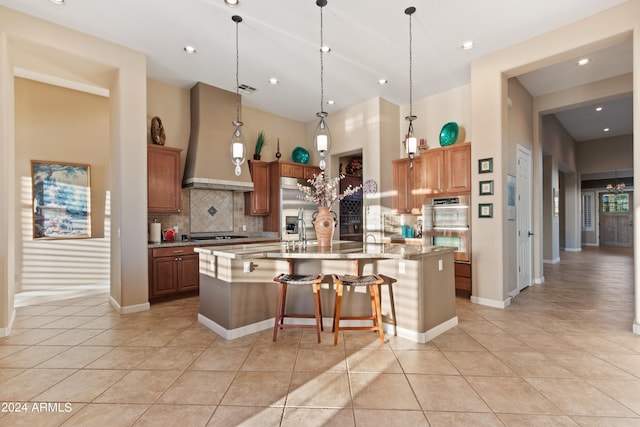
<point>339,250</point>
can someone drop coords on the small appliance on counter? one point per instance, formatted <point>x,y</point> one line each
<point>155,231</point>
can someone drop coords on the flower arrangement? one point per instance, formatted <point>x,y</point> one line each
<point>355,166</point>
<point>324,191</point>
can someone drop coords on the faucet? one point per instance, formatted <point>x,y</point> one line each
<point>302,228</point>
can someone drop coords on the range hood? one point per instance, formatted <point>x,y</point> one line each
<point>208,163</point>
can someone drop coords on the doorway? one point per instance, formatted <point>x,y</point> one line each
<point>616,222</point>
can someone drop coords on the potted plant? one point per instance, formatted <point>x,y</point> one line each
<point>260,141</point>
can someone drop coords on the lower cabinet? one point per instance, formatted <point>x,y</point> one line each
<point>463,277</point>
<point>173,271</point>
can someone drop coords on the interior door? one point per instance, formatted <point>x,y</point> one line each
<point>523,217</point>
<point>616,222</point>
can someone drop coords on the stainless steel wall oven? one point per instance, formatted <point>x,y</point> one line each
<point>446,223</point>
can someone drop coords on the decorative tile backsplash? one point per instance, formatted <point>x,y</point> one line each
<point>210,211</point>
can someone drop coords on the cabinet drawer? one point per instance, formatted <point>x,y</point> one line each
<point>462,270</point>
<point>172,251</point>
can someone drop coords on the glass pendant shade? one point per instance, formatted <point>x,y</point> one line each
<point>322,140</point>
<point>238,147</point>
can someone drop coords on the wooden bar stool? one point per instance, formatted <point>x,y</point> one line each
<point>373,281</point>
<point>285,280</point>
<point>389,281</point>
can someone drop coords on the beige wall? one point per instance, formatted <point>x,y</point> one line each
<point>490,133</point>
<point>171,104</point>
<point>30,45</point>
<point>608,154</point>
<point>61,125</point>
<point>520,133</point>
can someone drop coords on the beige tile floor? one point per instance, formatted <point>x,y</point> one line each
<point>561,355</point>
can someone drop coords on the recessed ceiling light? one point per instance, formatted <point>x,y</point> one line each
<point>189,49</point>
<point>606,129</point>
<point>232,3</point>
<point>273,81</point>
<point>58,2</point>
<point>330,102</point>
<point>382,82</point>
<point>583,61</point>
<point>325,49</point>
<point>598,108</point>
<point>467,45</point>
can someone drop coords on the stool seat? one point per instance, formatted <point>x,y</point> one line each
<point>373,281</point>
<point>296,279</point>
<point>283,281</point>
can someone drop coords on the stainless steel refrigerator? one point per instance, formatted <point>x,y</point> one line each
<point>292,206</point>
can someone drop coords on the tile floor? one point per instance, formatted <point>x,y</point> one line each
<point>561,355</point>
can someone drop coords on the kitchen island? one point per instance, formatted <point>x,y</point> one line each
<point>238,296</point>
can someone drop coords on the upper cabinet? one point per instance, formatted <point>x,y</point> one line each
<point>457,166</point>
<point>163,179</point>
<point>408,185</point>
<point>296,170</point>
<point>439,171</point>
<point>257,201</point>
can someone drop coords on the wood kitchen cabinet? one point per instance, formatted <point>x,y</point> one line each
<point>173,271</point>
<point>163,179</point>
<point>296,170</point>
<point>457,167</point>
<point>408,185</point>
<point>257,202</point>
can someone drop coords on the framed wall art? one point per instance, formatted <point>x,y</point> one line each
<point>486,188</point>
<point>511,197</point>
<point>485,210</point>
<point>485,165</point>
<point>61,200</point>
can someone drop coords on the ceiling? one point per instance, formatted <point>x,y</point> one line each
<point>369,41</point>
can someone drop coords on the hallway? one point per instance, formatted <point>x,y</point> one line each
<point>562,354</point>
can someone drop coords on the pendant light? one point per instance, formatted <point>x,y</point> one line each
<point>411,143</point>
<point>322,138</point>
<point>238,143</point>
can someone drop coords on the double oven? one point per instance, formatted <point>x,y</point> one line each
<point>446,223</point>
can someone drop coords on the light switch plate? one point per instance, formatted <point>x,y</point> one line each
<point>247,267</point>
<point>440,265</point>
<point>401,268</point>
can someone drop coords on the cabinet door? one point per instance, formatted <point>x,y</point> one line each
<point>458,167</point>
<point>434,171</point>
<point>163,179</point>
<point>259,199</point>
<point>164,276</point>
<point>188,272</point>
<point>400,198</point>
<point>310,171</point>
<point>417,185</point>
<point>292,170</point>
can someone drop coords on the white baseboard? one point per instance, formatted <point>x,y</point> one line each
<point>590,244</point>
<point>130,308</point>
<point>230,334</point>
<point>573,249</point>
<point>491,302</point>
<point>420,337</point>
<point>514,293</point>
<point>551,261</point>
<point>5,332</point>
<point>636,327</point>
<point>538,281</point>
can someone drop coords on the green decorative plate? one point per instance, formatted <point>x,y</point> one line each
<point>300,155</point>
<point>449,134</point>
